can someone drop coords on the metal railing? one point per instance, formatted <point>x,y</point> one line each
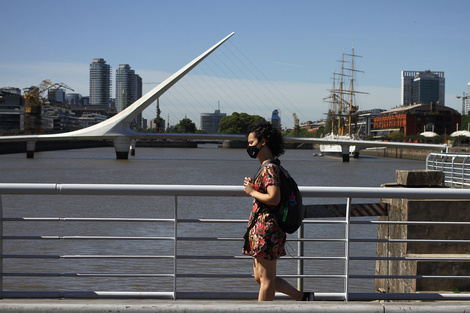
<point>175,274</point>
<point>456,168</point>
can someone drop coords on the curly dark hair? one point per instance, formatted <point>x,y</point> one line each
<point>271,134</point>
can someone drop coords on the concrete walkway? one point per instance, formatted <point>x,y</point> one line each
<point>167,306</point>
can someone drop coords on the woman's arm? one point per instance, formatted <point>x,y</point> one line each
<point>272,197</point>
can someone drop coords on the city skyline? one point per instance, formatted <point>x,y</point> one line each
<point>294,45</point>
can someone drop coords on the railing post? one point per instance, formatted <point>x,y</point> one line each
<point>346,250</point>
<point>175,248</point>
<point>300,262</point>
<point>452,185</point>
<point>464,171</point>
<point>428,160</point>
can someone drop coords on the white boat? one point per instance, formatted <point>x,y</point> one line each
<point>336,150</point>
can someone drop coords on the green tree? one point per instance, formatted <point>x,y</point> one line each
<point>465,121</point>
<point>237,123</point>
<point>185,126</point>
<point>396,136</point>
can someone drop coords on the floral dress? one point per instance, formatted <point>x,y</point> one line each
<point>265,239</point>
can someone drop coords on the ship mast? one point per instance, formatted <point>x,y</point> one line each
<point>340,109</point>
<point>333,111</point>
<point>338,96</point>
<point>352,108</point>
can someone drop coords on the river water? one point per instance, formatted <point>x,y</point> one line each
<point>206,165</point>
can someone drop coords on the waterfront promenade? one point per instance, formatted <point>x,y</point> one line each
<point>168,306</point>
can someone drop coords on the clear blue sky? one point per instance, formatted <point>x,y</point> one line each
<point>294,44</point>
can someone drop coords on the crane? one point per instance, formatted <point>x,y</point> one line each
<point>158,119</point>
<point>34,101</point>
<point>296,124</point>
<point>463,97</point>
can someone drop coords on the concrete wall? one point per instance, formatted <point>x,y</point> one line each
<point>413,154</point>
<point>423,210</point>
<point>399,153</point>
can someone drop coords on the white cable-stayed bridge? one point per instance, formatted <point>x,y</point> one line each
<point>228,80</point>
<point>224,80</point>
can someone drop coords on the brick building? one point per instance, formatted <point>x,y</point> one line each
<point>414,119</point>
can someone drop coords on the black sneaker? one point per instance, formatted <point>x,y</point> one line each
<point>308,296</point>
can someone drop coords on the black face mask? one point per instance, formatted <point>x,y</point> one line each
<point>253,151</point>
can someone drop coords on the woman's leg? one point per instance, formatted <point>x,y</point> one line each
<point>265,274</point>
<point>284,287</point>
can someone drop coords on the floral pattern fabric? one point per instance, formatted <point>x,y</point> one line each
<point>265,239</point>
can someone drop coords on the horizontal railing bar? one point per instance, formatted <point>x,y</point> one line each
<point>91,256</point>
<point>88,294</point>
<point>406,258</point>
<point>410,223</point>
<point>154,295</point>
<point>100,219</point>
<point>209,239</point>
<point>201,275</point>
<point>306,221</point>
<point>409,296</point>
<point>84,238</point>
<point>318,221</point>
<point>207,220</point>
<point>212,275</point>
<point>84,219</point>
<point>226,191</point>
<point>287,257</point>
<point>156,238</point>
<point>227,239</point>
<point>85,275</point>
<point>179,257</point>
<point>408,277</point>
<point>179,275</point>
<point>412,240</point>
<point>133,220</point>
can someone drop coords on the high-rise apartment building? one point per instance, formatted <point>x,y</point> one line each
<point>276,119</point>
<point>422,87</point>
<point>100,82</point>
<point>210,121</point>
<point>128,87</point>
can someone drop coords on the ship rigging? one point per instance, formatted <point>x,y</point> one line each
<point>342,108</point>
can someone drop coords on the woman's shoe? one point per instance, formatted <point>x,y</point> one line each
<point>308,296</point>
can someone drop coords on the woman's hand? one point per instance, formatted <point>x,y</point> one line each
<point>249,187</point>
<point>272,197</point>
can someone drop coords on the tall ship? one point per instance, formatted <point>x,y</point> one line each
<point>342,107</point>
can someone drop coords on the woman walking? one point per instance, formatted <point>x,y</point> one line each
<point>264,239</point>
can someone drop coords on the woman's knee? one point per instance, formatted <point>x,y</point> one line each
<point>264,271</point>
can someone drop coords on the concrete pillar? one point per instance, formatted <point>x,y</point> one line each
<point>30,148</point>
<point>423,210</point>
<point>121,146</point>
<point>132,147</point>
<point>345,152</point>
<point>356,152</point>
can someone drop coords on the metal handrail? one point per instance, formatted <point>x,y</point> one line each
<point>455,167</point>
<point>176,191</point>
